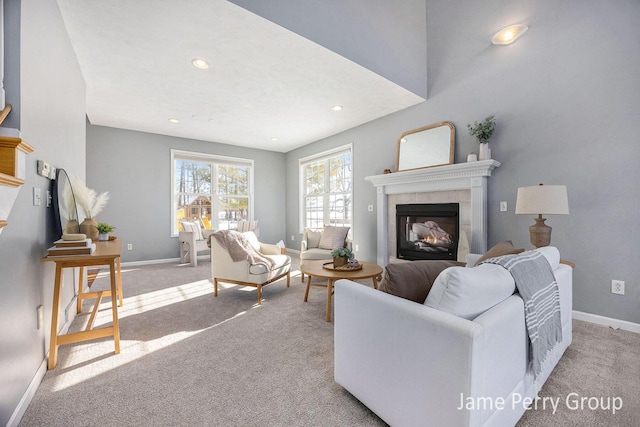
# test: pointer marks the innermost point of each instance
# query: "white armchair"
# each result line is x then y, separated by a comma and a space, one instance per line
192, 240
239, 258
311, 247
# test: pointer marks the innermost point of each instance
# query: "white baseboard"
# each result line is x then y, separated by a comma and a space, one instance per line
607, 321
152, 261
28, 395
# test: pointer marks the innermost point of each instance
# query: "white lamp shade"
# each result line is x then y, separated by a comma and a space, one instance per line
542, 199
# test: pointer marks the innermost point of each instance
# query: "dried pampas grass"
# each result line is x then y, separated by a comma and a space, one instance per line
90, 202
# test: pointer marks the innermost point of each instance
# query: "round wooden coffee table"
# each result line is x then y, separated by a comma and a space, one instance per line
316, 269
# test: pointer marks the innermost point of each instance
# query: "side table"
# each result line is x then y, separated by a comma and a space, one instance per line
106, 253
316, 269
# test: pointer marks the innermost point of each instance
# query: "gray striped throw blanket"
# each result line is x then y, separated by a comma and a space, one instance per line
539, 290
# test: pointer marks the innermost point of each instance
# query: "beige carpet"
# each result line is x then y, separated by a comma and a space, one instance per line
189, 359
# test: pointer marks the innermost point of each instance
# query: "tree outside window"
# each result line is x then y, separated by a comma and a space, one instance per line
327, 189
214, 191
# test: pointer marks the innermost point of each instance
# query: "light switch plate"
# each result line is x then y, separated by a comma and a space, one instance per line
37, 196
503, 206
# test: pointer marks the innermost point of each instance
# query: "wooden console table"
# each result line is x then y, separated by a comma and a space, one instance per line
106, 253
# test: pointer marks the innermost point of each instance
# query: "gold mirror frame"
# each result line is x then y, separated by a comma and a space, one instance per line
426, 147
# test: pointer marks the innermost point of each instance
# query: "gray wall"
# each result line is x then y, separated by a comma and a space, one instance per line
135, 168
566, 96
52, 115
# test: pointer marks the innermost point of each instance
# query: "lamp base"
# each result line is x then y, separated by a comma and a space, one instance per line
540, 233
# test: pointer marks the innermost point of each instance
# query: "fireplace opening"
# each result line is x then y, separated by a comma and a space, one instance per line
427, 231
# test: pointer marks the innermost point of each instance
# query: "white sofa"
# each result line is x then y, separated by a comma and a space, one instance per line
415, 365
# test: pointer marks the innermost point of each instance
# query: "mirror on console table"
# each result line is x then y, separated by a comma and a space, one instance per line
65, 210
426, 147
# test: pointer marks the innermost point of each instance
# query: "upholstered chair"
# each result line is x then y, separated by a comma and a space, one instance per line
192, 239
318, 244
257, 265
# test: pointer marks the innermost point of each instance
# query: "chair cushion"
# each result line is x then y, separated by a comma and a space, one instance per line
316, 253
280, 262
502, 248
333, 237
193, 227
253, 239
313, 238
469, 292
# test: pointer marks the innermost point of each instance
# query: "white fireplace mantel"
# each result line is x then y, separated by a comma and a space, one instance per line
471, 176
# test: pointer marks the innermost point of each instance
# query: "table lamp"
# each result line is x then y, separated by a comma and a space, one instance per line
542, 200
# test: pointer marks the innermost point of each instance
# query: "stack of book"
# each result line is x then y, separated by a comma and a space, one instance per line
72, 247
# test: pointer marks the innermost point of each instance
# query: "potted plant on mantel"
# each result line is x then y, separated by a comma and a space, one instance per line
341, 256
482, 133
103, 230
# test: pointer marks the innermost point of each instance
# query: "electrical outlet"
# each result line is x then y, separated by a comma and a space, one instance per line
130, 247
357, 248
617, 287
293, 238
503, 206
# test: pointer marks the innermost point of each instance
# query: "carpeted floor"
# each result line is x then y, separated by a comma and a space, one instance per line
188, 359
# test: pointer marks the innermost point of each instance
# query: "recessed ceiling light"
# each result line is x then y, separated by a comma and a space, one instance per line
509, 34
174, 120
336, 107
274, 139
200, 63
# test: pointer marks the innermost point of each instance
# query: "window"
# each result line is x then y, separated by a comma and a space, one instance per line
217, 191
326, 189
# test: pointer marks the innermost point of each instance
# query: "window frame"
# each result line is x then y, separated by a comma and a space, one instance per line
324, 155
213, 159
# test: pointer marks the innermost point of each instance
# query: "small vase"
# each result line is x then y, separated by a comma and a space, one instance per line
89, 227
339, 262
485, 152
72, 227
103, 237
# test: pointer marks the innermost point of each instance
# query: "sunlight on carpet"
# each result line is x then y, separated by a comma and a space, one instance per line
81, 359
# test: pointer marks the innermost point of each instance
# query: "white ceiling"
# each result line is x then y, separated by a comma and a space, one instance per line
263, 82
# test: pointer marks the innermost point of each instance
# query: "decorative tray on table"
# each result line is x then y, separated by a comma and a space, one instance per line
346, 267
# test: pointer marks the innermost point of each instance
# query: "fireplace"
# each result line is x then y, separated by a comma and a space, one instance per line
427, 231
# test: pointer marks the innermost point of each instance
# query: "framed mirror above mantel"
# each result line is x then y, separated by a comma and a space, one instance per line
426, 147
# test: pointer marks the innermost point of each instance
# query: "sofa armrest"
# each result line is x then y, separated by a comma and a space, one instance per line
391, 348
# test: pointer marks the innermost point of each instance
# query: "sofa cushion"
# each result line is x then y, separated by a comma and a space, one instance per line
412, 280
468, 292
502, 248
313, 238
333, 237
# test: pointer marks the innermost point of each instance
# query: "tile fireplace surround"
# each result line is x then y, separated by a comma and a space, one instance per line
465, 183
